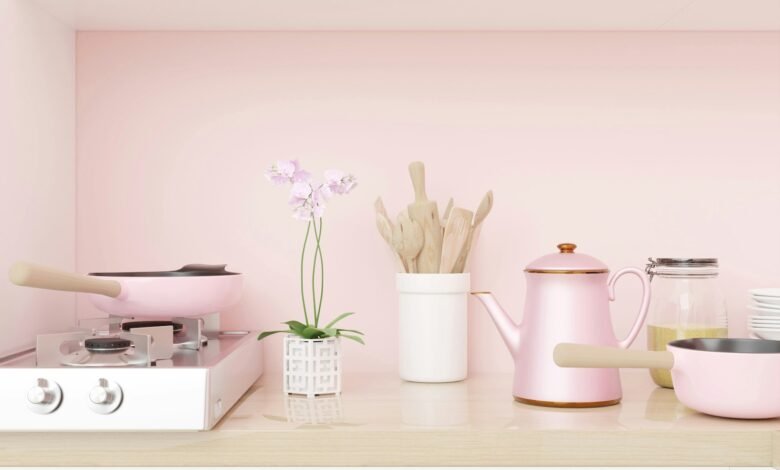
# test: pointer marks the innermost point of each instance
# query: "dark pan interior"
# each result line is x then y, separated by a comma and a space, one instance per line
163, 274
189, 270
729, 345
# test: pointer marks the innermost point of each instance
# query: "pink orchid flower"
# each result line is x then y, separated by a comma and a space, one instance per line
339, 182
287, 171
308, 200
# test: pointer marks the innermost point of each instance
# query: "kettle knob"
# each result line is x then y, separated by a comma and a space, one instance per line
567, 247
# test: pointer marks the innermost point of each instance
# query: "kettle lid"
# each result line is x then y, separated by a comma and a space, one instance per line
566, 261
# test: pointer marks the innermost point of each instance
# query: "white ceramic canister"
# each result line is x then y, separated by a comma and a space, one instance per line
433, 320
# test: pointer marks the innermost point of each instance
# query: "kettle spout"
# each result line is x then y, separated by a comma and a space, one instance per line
509, 331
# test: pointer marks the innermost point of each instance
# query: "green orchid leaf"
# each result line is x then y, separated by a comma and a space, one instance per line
296, 326
312, 333
354, 338
351, 331
269, 333
330, 332
339, 318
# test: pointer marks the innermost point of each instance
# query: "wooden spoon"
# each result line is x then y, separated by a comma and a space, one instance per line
456, 234
380, 208
408, 240
483, 210
385, 228
426, 214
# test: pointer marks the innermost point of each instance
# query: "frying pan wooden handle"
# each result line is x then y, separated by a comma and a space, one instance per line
417, 173
583, 355
33, 275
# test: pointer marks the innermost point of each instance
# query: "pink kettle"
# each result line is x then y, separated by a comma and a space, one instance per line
567, 301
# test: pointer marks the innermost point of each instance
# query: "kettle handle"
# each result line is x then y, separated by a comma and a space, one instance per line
640, 318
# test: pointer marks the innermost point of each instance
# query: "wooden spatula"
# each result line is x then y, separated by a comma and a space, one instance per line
408, 240
482, 211
385, 228
456, 234
426, 214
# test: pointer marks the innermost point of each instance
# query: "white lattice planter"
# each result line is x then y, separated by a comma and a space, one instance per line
312, 366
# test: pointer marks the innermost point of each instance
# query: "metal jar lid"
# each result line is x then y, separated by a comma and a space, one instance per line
682, 267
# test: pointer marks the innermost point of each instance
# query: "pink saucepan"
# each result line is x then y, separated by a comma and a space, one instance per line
731, 378
193, 290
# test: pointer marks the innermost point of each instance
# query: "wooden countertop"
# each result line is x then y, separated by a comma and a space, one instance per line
380, 420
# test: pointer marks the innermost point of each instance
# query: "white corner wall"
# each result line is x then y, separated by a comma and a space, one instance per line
37, 176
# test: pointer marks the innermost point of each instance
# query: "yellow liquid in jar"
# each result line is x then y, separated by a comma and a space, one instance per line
658, 336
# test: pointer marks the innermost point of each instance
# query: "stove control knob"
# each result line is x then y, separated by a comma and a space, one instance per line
105, 397
44, 397
40, 396
100, 395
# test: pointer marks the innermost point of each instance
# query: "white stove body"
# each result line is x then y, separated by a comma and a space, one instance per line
191, 392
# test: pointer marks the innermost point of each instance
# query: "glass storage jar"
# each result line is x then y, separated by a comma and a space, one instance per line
686, 302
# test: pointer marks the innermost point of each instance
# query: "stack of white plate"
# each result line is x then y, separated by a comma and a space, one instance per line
764, 320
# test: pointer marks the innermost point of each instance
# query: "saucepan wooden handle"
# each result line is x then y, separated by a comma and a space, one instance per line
33, 275
583, 355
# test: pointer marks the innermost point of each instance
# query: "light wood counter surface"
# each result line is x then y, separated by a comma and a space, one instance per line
380, 420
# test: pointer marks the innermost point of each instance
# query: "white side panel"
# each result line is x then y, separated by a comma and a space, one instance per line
153, 399
232, 377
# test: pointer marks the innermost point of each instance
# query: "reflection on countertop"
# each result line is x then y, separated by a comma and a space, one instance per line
481, 402
381, 420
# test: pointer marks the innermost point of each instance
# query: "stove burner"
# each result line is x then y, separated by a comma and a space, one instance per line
107, 345
177, 327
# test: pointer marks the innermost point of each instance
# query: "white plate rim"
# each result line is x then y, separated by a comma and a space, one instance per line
765, 305
771, 311
765, 292
767, 335
765, 299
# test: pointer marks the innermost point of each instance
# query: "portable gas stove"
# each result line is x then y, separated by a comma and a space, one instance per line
118, 374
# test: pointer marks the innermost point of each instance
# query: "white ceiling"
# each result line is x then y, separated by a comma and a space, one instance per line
416, 15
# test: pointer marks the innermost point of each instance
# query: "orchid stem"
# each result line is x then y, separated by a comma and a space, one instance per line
314, 277
318, 234
317, 251
303, 253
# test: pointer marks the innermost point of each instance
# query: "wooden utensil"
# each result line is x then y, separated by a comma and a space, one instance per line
385, 228
380, 208
456, 234
426, 214
484, 208
408, 240
482, 211
446, 214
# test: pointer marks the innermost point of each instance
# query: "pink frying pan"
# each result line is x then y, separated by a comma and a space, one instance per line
193, 290
731, 378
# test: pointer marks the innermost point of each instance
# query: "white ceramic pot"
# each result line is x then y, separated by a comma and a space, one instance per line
312, 366
433, 316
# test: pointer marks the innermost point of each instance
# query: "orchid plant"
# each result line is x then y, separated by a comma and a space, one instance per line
307, 200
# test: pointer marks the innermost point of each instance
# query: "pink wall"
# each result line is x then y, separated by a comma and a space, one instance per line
629, 144
37, 180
